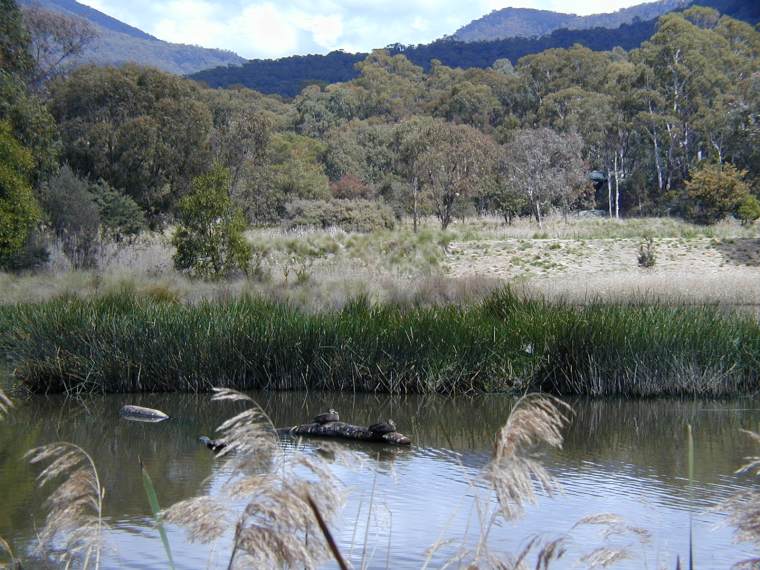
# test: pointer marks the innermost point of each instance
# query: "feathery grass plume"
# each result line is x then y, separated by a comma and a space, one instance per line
743, 509
278, 525
7, 552
604, 557
205, 519
536, 419
5, 404
250, 436
614, 525
75, 506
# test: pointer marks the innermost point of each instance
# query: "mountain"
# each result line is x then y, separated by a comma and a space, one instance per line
288, 76
119, 43
530, 23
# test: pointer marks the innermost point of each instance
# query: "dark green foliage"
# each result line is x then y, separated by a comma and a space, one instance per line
120, 215
288, 76
127, 343
32, 255
749, 210
32, 124
19, 211
209, 240
74, 216
349, 215
14, 40
144, 132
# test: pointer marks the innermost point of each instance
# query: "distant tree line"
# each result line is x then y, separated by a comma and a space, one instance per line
288, 76
100, 153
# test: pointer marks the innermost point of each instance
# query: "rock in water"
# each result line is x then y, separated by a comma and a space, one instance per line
140, 414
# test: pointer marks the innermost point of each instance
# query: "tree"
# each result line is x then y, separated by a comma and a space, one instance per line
144, 132
30, 121
471, 104
390, 85
18, 208
74, 216
715, 191
209, 239
320, 110
546, 167
361, 149
55, 39
350, 187
456, 166
14, 40
121, 217
241, 136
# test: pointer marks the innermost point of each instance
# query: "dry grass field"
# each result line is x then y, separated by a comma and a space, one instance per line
577, 260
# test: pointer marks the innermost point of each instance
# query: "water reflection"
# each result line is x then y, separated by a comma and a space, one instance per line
619, 456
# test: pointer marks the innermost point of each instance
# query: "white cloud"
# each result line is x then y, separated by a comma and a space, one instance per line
266, 28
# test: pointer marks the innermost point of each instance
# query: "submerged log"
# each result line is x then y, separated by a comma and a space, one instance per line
140, 414
343, 430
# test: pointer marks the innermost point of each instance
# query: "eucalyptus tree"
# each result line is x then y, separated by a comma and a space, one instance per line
457, 165
546, 167
143, 131
56, 39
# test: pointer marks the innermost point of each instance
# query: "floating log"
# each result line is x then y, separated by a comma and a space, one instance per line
343, 430
140, 414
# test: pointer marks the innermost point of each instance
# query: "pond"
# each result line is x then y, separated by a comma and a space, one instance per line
624, 457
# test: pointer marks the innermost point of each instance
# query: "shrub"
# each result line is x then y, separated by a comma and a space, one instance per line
749, 210
120, 215
349, 215
350, 187
715, 191
647, 253
74, 216
32, 255
209, 240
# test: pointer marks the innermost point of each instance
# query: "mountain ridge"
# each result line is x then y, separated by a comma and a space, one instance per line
119, 43
530, 23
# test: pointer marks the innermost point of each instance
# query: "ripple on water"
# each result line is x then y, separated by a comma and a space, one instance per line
422, 494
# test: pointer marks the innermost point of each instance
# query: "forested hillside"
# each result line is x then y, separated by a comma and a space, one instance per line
116, 43
673, 126
288, 76
528, 23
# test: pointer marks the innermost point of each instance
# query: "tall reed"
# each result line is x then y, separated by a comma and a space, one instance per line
515, 473
75, 506
131, 343
288, 497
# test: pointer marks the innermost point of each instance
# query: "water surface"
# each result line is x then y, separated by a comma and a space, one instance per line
619, 457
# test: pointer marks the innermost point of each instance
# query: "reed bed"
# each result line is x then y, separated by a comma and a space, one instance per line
125, 342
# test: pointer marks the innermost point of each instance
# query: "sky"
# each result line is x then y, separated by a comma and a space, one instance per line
271, 29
